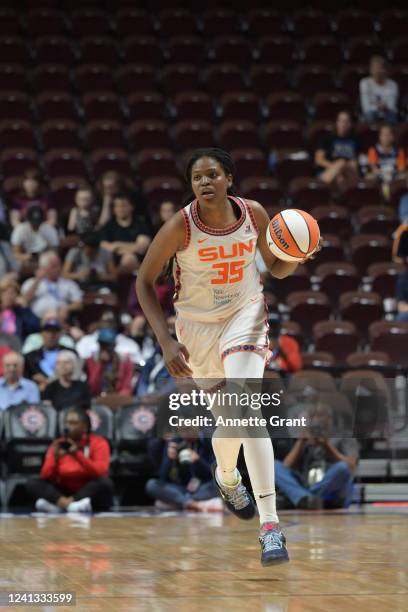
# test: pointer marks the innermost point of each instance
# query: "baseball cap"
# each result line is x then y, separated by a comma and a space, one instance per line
107, 336
51, 325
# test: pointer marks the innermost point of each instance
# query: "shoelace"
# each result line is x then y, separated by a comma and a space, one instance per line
238, 497
271, 540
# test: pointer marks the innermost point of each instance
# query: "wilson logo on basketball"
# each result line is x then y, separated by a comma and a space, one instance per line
278, 233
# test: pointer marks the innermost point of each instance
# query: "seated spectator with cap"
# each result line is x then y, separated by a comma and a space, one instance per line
40, 364
15, 319
14, 389
378, 93
36, 340
33, 236
89, 264
48, 289
284, 353
106, 371
66, 391
386, 161
74, 475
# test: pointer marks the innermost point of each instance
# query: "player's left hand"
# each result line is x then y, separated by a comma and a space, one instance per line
313, 255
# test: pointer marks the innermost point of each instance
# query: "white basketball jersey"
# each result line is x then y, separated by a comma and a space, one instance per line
215, 273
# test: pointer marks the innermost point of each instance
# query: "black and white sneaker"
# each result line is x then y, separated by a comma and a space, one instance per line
237, 499
273, 545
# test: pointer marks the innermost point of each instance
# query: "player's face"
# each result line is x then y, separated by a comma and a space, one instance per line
209, 181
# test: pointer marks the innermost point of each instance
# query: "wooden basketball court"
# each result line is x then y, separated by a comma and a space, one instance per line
354, 561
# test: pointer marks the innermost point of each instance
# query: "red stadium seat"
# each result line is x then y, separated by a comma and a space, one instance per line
311, 379
339, 337
368, 249
238, 134
328, 105
321, 50
276, 50
363, 194
143, 49
178, 77
190, 134
397, 189
369, 359
191, 47
291, 163
318, 360
392, 338
55, 105
292, 329
311, 78
45, 22
12, 77
89, 23
14, 162
104, 135
392, 24
240, 105
249, 162
9, 23
60, 133
65, 162
332, 250
316, 132
377, 220
223, 78
63, 190
361, 48
193, 105
367, 135
352, 22
177, 22
217, 21
102, 105
266, 78
13, 50
283, 135
146, 105
361, 307
17, 134
160, 188
105, 160
52, 77
305, 193
14, 105
262, 189
91, 77
155, 162
384, 277
231, 50
298, 281
350, 77
399, 51
11, 186
133, 23
57, 48
264, 22
285, 106
307, 308
337, 277
133, 78
98, 50
310, 23
332, 219
142, 134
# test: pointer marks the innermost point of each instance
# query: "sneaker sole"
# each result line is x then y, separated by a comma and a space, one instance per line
275, 561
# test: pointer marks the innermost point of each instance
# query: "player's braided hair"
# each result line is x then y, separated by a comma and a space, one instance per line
221, 156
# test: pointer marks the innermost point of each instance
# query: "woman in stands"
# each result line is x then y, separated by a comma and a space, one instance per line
221, 324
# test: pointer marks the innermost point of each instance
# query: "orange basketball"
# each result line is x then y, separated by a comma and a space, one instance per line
292, 234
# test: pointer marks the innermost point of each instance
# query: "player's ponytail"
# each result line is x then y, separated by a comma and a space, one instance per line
222, 157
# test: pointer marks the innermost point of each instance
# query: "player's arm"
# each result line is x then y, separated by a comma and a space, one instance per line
277, 267
169, 239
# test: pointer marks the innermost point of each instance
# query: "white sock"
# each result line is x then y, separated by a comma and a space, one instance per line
43, 505
82, 505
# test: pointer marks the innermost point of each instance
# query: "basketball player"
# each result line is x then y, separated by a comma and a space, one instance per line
221, 325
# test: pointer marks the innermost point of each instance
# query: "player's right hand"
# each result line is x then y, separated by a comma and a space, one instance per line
176, 358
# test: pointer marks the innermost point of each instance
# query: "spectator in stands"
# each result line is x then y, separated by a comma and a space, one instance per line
185, 481
403, 207
66, 391
154, 377
125, 346
32, 194
336, 157
402, 294
166, 210
318, 470
386, 161
164, 290
33, 236
106, 371
126, 235
40, 364
74, 476
89, 264
113, 184
35, 341
83, 217
15, 319
14, 389
48, 289
285, 351
379, 94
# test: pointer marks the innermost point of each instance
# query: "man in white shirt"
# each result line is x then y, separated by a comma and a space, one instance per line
49, 290
378, 94
33, 236
14, 389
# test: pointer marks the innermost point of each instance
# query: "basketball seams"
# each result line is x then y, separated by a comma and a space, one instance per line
293, 237
279, 246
